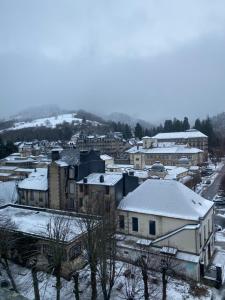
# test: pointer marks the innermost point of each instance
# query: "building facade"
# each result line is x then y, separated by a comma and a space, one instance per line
192, 137
101, 193
66, 169
166, 154
162, 213
110, 144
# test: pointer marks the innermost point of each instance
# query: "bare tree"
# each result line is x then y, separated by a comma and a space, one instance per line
89, 226
167, 266
7, 241
27, 252
76, 286
131, 283
143, 262
57, 232
107, 271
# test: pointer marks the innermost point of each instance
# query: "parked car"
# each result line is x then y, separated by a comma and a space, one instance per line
221, 193
208, 181
218, 227
219, 201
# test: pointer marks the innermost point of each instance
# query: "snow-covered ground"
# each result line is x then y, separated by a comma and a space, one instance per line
50, 122
177, 289
8, 192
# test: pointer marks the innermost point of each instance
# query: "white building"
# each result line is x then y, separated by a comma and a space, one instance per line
165, 213
192, 137
33, 190
165, 153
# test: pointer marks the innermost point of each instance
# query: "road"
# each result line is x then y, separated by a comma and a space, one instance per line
212, 190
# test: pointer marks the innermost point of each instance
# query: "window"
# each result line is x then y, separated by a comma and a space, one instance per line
71, 203
107, 206
75, 251
72, 188
152, 227
107, 190
71, 173
135, 224
80, 202
32, 195
205, 233
121, 221
200, 240
81, 188
86, 190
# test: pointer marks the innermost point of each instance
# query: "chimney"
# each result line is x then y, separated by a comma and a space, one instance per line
55, 155
85, 180
101, 178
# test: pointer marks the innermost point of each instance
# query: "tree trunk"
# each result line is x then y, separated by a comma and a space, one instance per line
76, 285
145, 281
9, 273
164, 285
58, 282
35, 284
93, 283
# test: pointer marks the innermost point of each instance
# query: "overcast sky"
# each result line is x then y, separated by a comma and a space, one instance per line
152, 59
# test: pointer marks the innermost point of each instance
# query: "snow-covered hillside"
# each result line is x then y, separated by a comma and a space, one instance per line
51, 122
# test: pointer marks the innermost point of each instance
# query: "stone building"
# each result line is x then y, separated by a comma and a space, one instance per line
101, 193
67, 167
109, 144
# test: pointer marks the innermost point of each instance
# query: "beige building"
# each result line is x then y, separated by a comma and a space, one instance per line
192, 137
165, 213
168, 154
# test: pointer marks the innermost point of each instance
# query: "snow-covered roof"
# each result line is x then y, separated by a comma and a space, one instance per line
174, 172
109, 179
105, 157
180, 135
25, 170
61, 163
177, 149
37, 180
187, 257
7, 168
35, 221
194, 168
8, 192
169, 250
5, 174
166, 198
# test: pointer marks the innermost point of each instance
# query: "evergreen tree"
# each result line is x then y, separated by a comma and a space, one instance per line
186, 124
138, 131
198, 125
127, 132
168, 126
177, 125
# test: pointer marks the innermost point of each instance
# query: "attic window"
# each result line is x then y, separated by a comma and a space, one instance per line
194, 201
199, 203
